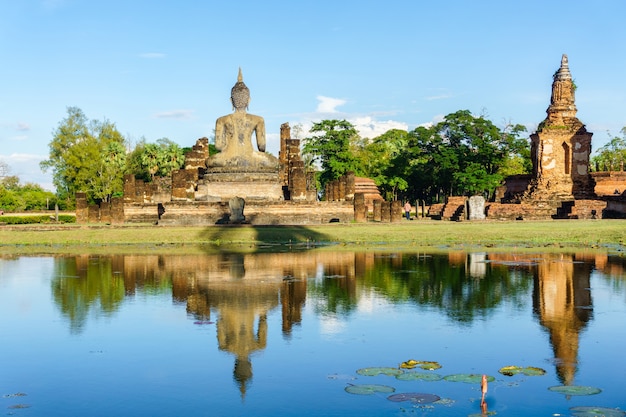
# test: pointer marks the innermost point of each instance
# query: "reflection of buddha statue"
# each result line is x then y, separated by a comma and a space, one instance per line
233, 137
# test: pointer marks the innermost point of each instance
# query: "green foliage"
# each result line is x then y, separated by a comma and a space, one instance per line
16, 197
78, 157
461, 155
383, 161
612, 156
334, 146
149, 160
44, 218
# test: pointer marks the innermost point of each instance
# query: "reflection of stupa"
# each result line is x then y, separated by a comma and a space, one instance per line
562, 300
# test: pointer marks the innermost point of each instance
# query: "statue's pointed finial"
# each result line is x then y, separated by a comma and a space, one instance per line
240, 76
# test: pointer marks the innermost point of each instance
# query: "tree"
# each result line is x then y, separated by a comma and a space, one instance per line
463, 154
108, 180
382, 160
611, 156
76, 153
334, 148
17, 197
149, 160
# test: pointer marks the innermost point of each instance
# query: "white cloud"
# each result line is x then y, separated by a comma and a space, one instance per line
26, 167
436, 119
22, 127
152, 55
331, 326
370, 128
174, 114
328, 104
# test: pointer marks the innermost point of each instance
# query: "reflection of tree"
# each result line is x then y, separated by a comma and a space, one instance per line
97, 284
444, 281
334, 289
85, 284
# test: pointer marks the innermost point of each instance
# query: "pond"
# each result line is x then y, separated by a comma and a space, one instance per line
320, 332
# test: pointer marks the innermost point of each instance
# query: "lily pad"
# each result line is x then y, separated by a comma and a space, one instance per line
418, 376
468, 378
380, 370
426, 365
596, 412
369, 389
528, 370
18, 406
414, 397
575, 390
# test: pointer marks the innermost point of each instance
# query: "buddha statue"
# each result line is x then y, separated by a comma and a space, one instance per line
233, 137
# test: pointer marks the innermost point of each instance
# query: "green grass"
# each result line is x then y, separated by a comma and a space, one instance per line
609, 234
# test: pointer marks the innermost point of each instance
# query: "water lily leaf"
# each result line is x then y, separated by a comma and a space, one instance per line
368, 389
596, 412
17, 394
379, 370
414, 397
468, 378
575, 390
427, 365
528, 370
17, 406
418, 376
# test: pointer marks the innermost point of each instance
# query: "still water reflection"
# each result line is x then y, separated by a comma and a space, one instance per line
285, 333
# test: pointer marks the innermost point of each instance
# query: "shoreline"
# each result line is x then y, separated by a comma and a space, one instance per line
604, 235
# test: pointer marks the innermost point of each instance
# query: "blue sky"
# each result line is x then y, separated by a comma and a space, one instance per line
165, 68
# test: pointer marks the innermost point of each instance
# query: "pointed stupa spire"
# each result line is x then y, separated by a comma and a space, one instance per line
240, 75
563, 72
562, 108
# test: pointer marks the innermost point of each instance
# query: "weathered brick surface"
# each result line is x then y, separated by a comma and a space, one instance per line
454, 208
609, 183
82, 210
360, 210
256, 213
397, 212
435, 211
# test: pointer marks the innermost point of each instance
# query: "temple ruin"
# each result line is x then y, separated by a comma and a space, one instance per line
244, 185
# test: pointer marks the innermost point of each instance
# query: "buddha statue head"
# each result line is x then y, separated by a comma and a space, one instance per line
240, 94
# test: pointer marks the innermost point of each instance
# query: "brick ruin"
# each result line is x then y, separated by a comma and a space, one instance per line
182, 199
560, 186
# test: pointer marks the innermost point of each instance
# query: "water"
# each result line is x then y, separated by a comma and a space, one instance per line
283, 334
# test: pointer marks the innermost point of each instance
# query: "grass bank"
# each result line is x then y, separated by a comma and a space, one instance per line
605, 234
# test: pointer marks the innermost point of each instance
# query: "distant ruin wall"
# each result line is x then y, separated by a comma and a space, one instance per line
181, 213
